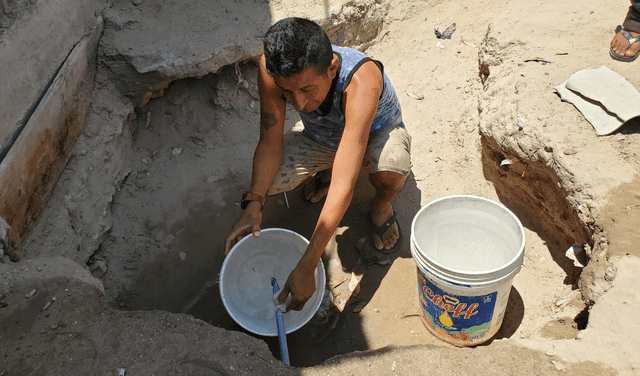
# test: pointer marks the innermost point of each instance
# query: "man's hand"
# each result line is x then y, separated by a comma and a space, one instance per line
301, 284
248, 223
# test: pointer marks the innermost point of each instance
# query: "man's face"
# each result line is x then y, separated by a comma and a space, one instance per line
308, 89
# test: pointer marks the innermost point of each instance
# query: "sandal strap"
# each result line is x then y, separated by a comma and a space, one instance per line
631, 39
380, 230
321, 184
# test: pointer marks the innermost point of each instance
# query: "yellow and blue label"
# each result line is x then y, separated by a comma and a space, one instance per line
463, 318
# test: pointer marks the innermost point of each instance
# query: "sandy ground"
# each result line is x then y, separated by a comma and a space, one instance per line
172, 172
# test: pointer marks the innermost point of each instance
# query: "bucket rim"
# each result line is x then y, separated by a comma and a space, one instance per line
508, 266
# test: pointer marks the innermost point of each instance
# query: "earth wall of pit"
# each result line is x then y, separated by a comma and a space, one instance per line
47, 70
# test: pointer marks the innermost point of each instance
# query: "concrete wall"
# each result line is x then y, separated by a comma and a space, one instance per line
35, 39
47, 70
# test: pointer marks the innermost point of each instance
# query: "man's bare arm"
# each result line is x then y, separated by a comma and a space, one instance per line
266, 158
267, 120
268, 153
360, 104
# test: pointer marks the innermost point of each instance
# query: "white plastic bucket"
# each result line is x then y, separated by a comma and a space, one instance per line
245, 280
467, 250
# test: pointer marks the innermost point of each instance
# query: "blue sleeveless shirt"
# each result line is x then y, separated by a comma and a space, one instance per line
326, 127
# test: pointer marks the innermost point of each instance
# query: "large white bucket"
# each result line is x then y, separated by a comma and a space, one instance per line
467, 250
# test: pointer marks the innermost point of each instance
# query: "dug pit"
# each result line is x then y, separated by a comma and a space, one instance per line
182, 161
153, 186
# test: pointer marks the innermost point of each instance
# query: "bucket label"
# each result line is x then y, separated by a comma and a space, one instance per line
462, 318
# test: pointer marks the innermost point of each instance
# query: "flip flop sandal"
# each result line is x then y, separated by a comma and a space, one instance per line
319, 184
370, 254
631, 40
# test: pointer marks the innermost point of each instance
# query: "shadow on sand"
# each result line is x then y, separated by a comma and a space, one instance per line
343, 332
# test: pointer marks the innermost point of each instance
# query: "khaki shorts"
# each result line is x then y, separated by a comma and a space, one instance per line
389, 149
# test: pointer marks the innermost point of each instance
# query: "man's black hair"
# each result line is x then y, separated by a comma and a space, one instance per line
292, 44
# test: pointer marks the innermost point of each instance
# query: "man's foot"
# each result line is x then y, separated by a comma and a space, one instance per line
625, 46
386, 233
381, 241
318, 186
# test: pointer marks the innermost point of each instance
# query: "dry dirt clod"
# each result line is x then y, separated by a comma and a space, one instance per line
98, 267
359, 307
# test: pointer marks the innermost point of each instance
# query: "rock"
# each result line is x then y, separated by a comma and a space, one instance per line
98, 268
142, 182
46, 306
559, 366
610, 272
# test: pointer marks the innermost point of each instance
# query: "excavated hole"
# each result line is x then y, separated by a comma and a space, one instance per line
532, 190
191, 158
190, 161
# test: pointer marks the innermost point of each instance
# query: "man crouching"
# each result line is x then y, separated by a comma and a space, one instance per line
351, 119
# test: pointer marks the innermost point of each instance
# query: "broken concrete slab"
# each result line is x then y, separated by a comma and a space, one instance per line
144, 55
35, 39
34, 163
87, 186
603, 96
